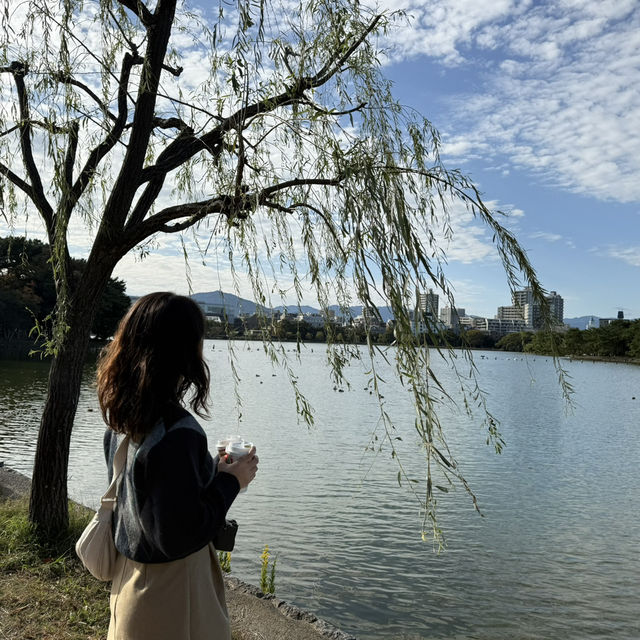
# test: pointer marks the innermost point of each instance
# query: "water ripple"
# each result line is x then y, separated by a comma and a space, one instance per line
554, 557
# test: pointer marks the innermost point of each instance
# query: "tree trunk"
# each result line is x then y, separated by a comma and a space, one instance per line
48, 507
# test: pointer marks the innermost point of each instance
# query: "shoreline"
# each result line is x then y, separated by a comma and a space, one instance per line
610, 359
250, 610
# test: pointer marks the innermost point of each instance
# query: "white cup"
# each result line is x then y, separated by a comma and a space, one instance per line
236, 450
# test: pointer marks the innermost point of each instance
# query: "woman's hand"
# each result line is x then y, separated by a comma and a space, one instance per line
244, 469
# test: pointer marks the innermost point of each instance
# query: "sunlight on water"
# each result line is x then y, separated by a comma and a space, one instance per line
555, 555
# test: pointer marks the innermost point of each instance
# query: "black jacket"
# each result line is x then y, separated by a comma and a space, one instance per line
171, 500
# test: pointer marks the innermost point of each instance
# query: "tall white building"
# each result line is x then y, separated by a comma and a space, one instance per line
427, 303
450, 317
556, 306
424, 317
526, 308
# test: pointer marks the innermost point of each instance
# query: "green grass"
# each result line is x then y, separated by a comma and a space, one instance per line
45, 592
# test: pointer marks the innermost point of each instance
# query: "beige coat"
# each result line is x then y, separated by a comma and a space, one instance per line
179, 600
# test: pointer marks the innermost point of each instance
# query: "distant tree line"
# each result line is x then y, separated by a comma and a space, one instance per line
289, 330
27, 295
619, 339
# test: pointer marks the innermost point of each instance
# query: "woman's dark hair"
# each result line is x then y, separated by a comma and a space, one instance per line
153, 360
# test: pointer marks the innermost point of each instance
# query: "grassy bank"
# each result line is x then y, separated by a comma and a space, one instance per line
44, 590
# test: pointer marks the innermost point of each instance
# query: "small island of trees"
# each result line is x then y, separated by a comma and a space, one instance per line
619, 339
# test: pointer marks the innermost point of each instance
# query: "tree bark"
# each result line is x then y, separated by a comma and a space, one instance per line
48, 506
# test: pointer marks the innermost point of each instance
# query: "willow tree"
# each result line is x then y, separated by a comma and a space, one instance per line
265, 126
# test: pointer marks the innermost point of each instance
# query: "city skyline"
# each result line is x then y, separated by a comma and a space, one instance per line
428, 302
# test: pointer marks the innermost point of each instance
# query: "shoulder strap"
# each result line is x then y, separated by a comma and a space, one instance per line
119, 460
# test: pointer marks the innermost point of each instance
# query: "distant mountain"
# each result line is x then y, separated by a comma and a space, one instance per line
295, 309
385, 312
243, 306
582, 322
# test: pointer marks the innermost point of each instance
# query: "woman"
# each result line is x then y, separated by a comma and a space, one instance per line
172, 498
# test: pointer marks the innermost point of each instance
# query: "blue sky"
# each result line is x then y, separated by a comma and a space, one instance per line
539, 102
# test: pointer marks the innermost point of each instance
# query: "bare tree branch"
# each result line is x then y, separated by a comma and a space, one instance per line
192, 106
298, 182
174, 71
140, 9
132, 45
289, 52
43, 124
234, 207
327, 112
113, 136
172, 123
8, 131
240, 165
193, 212
127, 182
333, 66
17, 181
180, 150
38, 197
70, 158
67, 79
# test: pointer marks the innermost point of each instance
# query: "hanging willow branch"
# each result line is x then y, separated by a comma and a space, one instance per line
282, 143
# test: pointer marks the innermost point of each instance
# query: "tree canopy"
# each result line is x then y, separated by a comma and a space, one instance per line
266, 129
618, 339
28, 294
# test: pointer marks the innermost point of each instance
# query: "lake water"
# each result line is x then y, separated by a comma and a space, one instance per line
556, 555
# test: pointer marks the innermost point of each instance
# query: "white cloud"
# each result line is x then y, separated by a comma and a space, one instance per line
630, 255
543, 235
458, 147
557, 86
470, 242
162, 272
469, 295
443, 28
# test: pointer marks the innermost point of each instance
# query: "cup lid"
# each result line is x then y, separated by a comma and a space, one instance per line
241, 446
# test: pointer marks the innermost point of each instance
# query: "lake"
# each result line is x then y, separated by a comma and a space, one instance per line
555, 555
